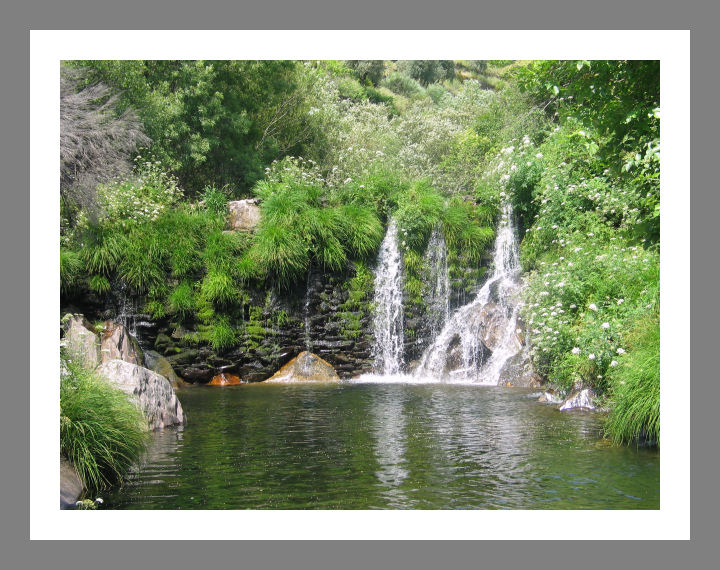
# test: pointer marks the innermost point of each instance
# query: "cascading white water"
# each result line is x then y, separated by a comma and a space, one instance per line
438, 281
388, 318
460, 351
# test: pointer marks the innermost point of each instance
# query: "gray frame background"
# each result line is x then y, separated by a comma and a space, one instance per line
16, 223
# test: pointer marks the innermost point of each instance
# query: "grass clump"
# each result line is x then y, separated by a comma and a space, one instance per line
102, 432
635, 414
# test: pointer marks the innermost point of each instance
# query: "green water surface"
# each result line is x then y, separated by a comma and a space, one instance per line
386, 446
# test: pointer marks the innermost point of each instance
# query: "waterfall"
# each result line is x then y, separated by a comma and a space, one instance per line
479, 338
388, 318
438, 281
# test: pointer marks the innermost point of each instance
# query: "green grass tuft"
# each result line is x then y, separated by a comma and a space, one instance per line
636, 389
102, 433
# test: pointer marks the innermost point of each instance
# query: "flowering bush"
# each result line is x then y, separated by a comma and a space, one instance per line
141, 199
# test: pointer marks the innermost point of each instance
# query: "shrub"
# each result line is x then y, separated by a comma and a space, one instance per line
102, 433
402, 84
436, 92
215, 200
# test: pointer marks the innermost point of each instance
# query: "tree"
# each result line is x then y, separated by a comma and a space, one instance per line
208, 119
368, 70
96, 138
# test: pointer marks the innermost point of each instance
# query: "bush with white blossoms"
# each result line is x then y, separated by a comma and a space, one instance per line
591, 275
141, 198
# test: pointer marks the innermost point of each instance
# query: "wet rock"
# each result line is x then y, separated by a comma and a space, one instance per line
455, 359
519, 371
158, 363
305, 367
579, 400
225, 379
550, 397
117, 344
80, 341
244, 215
200, 373
153, 392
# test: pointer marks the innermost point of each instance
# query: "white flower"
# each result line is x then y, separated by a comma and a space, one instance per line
621, 351
606, 325
592, 307
614, 363
576, 350
591, 356
539, 155
573, 306
620, 301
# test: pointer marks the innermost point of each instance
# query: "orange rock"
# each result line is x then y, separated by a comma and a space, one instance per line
225, 379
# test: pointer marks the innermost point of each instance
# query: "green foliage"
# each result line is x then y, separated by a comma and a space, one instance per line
428, 71
102, 433
218, 288
368, 71
436, 92
402, 84
215, 200
222, 335
102, 250
420, 209
99, 284
209, 120
467, 230
70, 270
182, 300
635, 385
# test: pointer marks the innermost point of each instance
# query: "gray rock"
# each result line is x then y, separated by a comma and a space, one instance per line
244, 215
577, 400
71, 485
117, 344
153, 392
80, 342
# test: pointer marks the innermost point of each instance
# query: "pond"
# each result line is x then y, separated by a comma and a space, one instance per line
386, 446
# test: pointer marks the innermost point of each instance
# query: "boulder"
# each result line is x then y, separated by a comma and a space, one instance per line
305, 367
80, 341
244, 215
225, 379
117, 344
579, 400
71, 486
158, 363
549, 397
153, 392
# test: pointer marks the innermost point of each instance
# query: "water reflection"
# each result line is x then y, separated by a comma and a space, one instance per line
391, 446
388, 425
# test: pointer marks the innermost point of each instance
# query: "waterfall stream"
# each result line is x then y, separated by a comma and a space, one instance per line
388, 321
438, 283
